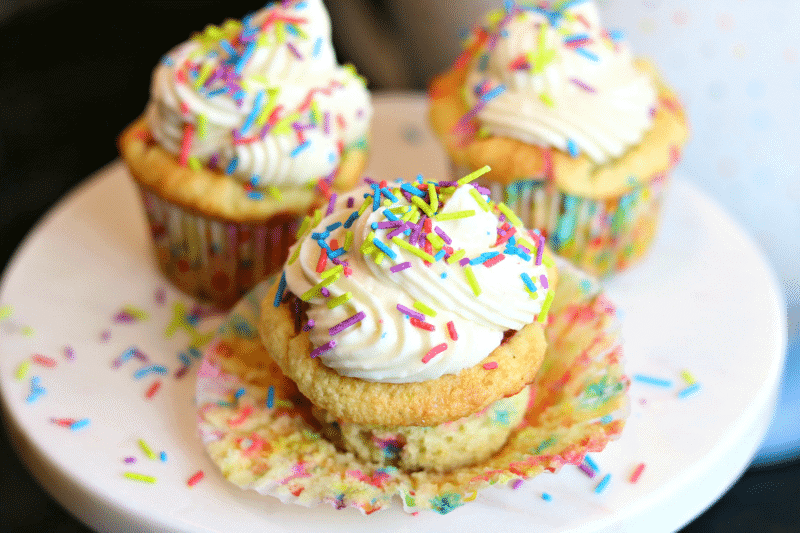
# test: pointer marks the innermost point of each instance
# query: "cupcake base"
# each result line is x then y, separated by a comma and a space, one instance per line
272, 444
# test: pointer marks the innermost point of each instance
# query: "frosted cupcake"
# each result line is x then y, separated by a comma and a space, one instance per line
410, 315
581, 137
248, 123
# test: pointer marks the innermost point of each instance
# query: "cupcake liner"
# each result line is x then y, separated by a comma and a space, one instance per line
213, 259
261, 434
600, 236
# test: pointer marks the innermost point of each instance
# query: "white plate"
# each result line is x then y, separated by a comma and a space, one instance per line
703, 300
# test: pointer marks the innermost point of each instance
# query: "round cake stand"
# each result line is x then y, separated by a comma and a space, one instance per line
88, 325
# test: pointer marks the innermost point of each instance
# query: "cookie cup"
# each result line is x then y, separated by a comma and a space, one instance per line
214, 237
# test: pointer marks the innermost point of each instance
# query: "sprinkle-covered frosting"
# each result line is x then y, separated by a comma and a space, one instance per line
262, 99
548, 74
411, 281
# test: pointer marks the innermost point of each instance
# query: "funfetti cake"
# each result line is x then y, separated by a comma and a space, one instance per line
248, 125
581, 137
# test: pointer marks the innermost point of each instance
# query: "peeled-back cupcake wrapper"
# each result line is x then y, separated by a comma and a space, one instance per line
271, 444
600, 236
215, 260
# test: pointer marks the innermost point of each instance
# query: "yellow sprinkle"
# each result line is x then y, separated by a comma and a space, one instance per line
433, 196
146, 449
367, 203
284, 125
139, 477
447, 190
280, 31
546, 100
409, 214
26, 331
266, 111
386, 202
514, 219
474, 175
688, 377
205, 71
379, 256
413, 249
202, 126
542, 318
317, 217
313, 291
456, 256
337, 269
471, 496
303, 227
479, 199
283, 403
533, 295
419, 202
456, 215
473, 283
135, 312
315, 114
295, 254
547, 261
339, 300
194, 163
422, 308
5, 311
275, 192
524, 242
435, 240
348, 240
367, 247
22, 370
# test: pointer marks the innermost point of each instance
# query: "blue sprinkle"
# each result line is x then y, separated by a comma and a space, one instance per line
299, 148
239, 393
255, 179
591, 463
228, 48
411, 189
152, 369
333, 226
587, 54
546, 497
333, 254
483, 258
352, 218
603, 483
388, 194
528, 281
650, 380
167, 61
391, 216
251, 118
385, 249
255, 195
374, 225
317, 47
376, 196
572, 148
78, 424
232, 165
691, 389
606, 419
194, 352
216, 92
270, 397
439, 255
163, 457
320, 235
616, 35
497, 91
184, 359
444, 275
245, 58
281, 290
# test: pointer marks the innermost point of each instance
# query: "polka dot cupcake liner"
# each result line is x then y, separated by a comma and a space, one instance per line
600, 236
260, 433
215, 260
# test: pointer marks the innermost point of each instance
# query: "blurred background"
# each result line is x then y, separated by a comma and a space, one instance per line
74, 73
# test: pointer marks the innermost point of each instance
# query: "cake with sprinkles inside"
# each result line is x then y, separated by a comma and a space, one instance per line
581, 137
420, 342
249, 125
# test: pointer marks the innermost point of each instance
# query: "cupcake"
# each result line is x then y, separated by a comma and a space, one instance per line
411, 315
248, 124
580, 136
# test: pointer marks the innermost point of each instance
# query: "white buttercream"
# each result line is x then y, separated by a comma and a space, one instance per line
544, 106
272, 68
385, 346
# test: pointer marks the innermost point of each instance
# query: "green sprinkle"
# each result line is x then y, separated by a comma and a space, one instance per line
419, 202
433, 196
339, 300
476, 289
413, 249
314, 291
456, 256
435, 240
479, 199
456, 215
474, 175
146, 449
545, 307
422, 308
22, 370
139, 477
514, 219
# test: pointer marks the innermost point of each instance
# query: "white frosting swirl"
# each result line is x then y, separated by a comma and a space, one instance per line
275, 68
580, 92
386, 346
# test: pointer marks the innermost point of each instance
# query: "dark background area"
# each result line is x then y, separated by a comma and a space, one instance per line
72, 75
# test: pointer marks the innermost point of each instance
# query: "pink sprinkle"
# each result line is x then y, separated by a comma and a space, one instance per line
43, 360
105, 335
543, 279
400, 266
451, 329
186, 143
490, 366
309, 325
322, 349
493, 261
637, 473
247, 410
295, 51
153, 389
433, 352
195, 479
416, 322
